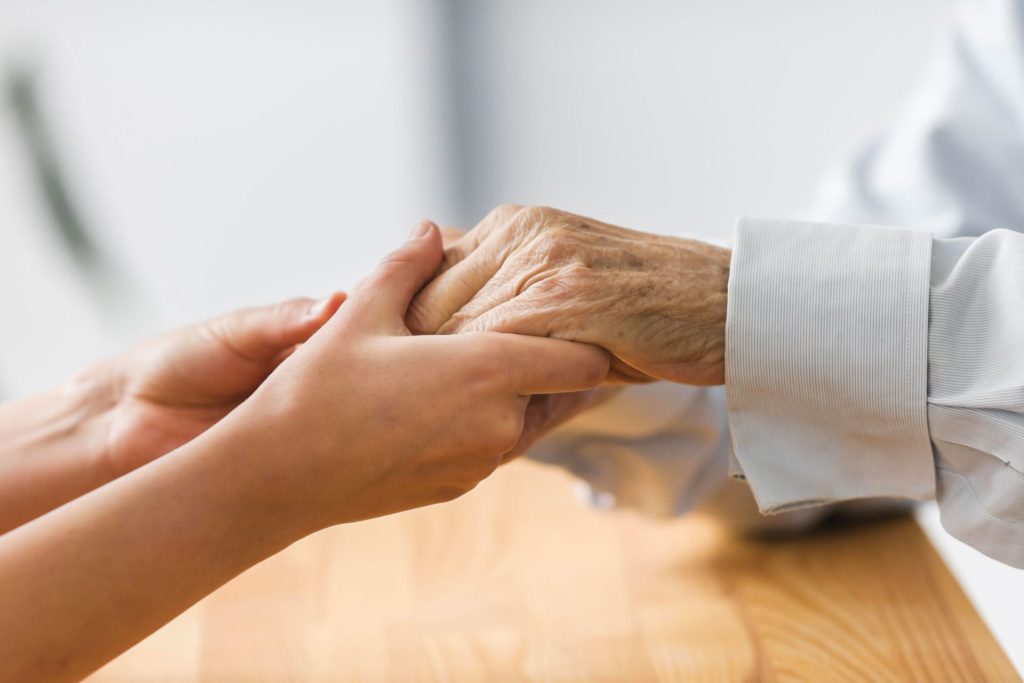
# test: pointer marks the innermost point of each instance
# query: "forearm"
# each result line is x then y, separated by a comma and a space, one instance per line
52, 450
82, 584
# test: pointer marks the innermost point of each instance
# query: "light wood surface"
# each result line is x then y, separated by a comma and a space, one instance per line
520, 582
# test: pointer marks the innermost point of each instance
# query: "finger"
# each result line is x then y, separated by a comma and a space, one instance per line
453, 289
262, 334
384, 296
547, 411
529, 316
553, 366
463, 247
505, 285
520, 315
622, 372
450, 235
467, 266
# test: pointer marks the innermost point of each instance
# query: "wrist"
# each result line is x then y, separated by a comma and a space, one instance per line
699, 308
235, 484
89, 400
254, 447
717, 303
52, 450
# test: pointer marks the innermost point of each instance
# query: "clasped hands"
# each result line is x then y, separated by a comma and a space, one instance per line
406, 394
233, 438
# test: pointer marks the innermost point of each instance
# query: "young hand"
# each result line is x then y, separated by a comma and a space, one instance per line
173, 388
366, 419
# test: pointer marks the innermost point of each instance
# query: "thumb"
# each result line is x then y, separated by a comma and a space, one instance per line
261, 335
384, 296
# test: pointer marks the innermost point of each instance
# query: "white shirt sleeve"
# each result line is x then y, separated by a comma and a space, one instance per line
867, 362
976, 390
660, 449
826, 362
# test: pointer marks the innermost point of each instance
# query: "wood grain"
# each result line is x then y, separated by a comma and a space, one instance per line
519, 582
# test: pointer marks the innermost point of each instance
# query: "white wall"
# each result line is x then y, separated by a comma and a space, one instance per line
679, 116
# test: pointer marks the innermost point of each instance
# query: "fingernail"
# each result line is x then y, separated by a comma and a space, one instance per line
420, 230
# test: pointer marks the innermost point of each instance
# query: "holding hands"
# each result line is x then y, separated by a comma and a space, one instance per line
369, 414
384, 420
282, 423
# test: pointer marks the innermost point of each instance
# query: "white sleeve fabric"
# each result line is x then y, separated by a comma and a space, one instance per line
662, 450
826, 362
868, 362
976, 390
659, 449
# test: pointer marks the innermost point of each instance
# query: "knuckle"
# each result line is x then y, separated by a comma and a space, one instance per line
484, 364
395, 259
227, 332
495, 376
577, 275
499, 217
417, 319
502, 212
559, 241
557, 244
457, 321
567, 284
532, 216
507, 428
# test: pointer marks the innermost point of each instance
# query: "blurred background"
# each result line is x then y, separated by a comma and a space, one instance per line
166, 161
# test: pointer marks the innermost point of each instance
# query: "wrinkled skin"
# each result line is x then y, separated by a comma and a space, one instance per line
656, 303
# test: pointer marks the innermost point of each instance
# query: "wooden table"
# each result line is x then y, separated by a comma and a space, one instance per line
520, 582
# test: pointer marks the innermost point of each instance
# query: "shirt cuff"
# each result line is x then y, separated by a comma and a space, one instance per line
826, 363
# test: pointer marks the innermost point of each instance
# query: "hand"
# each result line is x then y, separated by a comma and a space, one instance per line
547, 411
366, 419
173, 388
656, 303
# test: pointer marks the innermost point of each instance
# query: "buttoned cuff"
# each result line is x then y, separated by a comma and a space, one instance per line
826, 363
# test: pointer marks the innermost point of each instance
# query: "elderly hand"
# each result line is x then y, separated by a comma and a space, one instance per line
656, 303
546, 412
